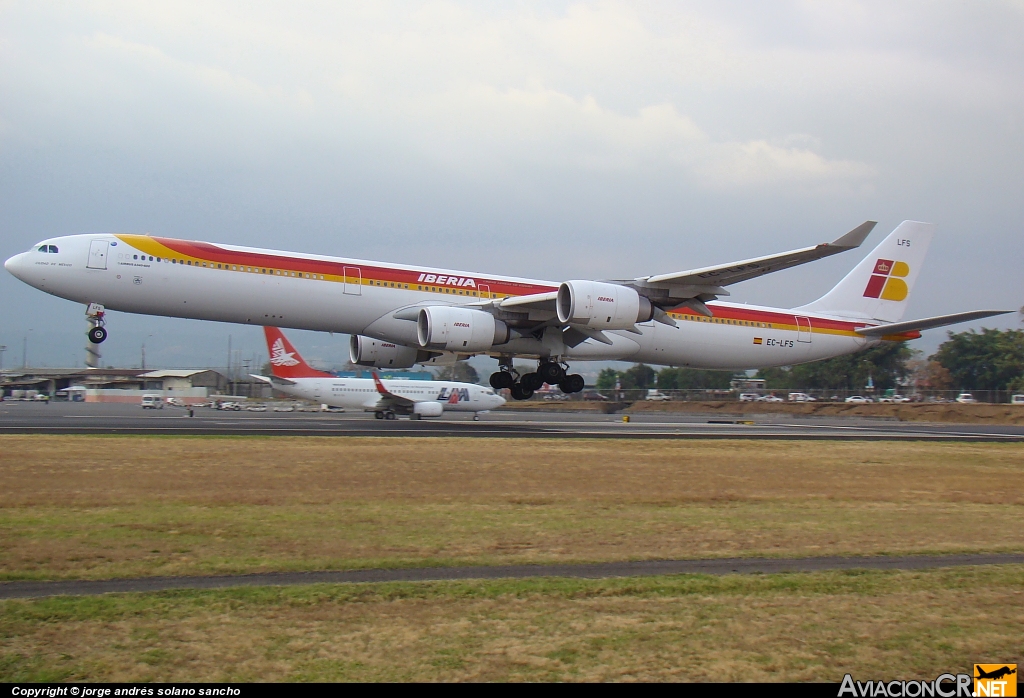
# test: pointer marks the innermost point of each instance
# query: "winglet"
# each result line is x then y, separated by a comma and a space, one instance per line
380, 386
855, 237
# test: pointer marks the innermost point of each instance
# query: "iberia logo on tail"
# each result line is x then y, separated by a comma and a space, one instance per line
887, 282
285, 361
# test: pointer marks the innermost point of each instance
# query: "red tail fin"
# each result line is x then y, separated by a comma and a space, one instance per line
285, 361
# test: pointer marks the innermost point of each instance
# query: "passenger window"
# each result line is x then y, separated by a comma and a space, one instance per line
53, 249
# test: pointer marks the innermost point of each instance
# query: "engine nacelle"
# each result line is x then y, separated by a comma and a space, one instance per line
366, 351
428, 409
601, 306
459, 329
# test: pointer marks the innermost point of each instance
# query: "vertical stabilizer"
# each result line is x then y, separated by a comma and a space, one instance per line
878, 288
285, 361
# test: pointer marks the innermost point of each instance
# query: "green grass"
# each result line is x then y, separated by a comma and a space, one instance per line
813, 626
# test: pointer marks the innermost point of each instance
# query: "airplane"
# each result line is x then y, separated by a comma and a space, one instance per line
386, 399
400, 315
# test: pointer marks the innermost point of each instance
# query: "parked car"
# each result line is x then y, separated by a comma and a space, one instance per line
749, 397
593, 395
965, 399
770, 398
230, 406
655, 396
801, 397
152, 402
284, 408
858, 399
256, 408
331, 408
1017, 400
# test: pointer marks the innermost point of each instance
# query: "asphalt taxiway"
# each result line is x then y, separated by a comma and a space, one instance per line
102, 418
640, 568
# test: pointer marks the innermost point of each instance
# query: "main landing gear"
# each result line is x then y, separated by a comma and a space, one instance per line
385, 414
523, 387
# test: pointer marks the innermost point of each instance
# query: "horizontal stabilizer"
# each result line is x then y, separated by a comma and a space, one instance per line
928, 323
272, 380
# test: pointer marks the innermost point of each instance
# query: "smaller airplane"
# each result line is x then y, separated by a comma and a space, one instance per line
386, 399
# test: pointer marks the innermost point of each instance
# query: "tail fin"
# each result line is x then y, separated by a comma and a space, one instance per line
878, 287
285, 361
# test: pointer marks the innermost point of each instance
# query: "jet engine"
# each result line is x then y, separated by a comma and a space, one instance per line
601, 306
428, 409
366, 351
459, 329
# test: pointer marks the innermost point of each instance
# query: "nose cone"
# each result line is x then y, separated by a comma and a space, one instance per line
16, 265
498, 400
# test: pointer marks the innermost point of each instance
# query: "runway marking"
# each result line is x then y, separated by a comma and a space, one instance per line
16, 590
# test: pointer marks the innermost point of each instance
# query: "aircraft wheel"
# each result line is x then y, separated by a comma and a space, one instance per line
519, 392
416, 416
378, 415
551, 372
574, 383
389, 415
531, 382
97, 335
502, 379
476, 418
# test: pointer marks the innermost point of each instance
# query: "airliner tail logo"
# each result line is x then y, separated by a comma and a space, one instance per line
279, 356
887, 282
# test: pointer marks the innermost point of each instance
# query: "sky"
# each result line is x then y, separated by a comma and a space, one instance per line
548, 140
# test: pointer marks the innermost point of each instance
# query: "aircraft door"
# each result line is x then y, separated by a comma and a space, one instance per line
98, 254
803, 330
353, 281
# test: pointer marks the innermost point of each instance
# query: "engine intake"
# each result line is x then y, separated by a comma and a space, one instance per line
367, 351
459, 329
601, 306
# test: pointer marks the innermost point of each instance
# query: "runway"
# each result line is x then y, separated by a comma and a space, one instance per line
20, 590
101, 418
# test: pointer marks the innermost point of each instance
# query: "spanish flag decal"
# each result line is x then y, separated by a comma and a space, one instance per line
758, 340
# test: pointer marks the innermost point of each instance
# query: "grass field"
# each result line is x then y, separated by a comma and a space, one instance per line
98, 507
796, 627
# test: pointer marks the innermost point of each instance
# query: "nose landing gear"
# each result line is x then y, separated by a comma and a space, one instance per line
522, 388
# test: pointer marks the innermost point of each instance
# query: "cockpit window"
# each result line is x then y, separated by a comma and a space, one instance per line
42, 248
53, 249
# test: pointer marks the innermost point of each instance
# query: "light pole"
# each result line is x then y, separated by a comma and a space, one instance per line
3, 348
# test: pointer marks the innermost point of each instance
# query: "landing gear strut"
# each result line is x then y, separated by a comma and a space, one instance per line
522, 388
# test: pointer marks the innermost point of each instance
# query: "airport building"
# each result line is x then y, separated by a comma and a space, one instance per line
111, 384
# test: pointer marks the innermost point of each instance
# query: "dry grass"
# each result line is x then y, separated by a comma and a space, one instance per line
800, 627
120, 506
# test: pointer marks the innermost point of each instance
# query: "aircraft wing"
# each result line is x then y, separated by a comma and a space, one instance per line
388, 398
726, 274
927, 323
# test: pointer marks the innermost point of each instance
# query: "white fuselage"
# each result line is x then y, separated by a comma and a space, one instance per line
175, 278
361, 393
